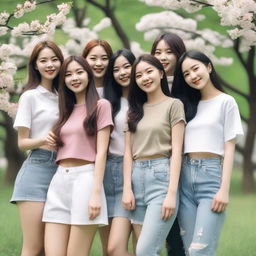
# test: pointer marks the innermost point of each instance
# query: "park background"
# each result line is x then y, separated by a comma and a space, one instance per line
239, 232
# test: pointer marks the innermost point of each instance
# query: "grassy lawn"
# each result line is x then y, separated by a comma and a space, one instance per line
237, 238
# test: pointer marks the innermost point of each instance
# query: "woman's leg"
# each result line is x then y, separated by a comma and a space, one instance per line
154, 231
56, 239
207, 230
80, 240
104, 237
32, 227
119, 237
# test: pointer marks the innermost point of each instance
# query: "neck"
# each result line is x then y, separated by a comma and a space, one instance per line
155, 96
47, 84
98, 82
125, 92
80, 98
209, 92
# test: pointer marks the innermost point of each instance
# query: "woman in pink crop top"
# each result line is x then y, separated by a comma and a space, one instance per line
76, 203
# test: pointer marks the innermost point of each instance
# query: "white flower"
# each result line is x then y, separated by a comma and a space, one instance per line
29, 6
104, 23
6, 81
64, 8
3, 30
136, 49
4, 17
5, 51
35, 25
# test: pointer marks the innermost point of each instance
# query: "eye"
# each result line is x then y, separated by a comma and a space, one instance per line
42, 61
115, 70
92, 58
195, 68
104, 58
80, 72
169, 51
157, 52
127, 66
55, 59
150, 71
138, 76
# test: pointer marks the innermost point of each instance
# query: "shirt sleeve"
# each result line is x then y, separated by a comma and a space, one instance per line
24, 113
232, 121
104, 114
177, 113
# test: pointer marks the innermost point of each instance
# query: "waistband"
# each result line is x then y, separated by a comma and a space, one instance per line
202, 161
76, 169
151, 162
115, 157
43, 152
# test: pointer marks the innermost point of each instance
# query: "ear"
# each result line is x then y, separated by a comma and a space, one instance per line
209, 68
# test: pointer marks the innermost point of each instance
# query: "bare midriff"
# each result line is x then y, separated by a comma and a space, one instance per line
73, 162
203, 155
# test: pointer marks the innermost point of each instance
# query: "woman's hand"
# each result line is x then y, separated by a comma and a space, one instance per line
220, 201
168, 206
50, 140
128, 199
94, 206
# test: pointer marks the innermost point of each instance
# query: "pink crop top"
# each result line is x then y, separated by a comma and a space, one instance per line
77, 144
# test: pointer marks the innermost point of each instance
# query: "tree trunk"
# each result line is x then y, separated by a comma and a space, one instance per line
13, 155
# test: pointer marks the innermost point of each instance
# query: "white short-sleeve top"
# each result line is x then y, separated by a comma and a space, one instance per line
116, 146
100, 91
217, 120
37, 110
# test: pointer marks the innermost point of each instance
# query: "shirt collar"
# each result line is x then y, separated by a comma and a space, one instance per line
41, 89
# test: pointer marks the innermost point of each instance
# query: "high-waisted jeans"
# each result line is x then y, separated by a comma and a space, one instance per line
200, 226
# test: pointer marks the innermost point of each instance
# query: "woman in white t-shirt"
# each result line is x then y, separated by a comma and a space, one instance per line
37, 113
210, 136
97, 53
116, 91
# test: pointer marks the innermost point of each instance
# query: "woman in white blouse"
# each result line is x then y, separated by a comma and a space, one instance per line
37, 113
213, 124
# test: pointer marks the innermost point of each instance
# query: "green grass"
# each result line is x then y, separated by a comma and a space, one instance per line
237, 238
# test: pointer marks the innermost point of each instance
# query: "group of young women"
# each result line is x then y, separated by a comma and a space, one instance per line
105, 133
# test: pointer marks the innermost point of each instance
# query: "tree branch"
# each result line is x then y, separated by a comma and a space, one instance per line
98, 5
239, 55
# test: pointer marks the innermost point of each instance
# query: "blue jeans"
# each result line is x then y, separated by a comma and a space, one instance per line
200, 226
150, 181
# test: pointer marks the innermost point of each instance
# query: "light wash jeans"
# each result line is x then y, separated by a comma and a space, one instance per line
150, 180
200, 226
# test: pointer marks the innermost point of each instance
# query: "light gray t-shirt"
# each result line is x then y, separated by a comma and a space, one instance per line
217, 120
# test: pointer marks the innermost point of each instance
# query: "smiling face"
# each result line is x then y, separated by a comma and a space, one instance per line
76, 78
98, 61
47, 64
165, 55
196, 73
148, 77
122, 71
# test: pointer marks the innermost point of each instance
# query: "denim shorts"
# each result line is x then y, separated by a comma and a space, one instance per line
34, 177
150, 182
68, 197
113, 186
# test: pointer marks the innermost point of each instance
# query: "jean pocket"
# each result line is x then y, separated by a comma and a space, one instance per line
39, 159
162, 173
214, 171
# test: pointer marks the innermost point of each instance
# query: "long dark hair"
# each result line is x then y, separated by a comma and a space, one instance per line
188, 95
175, 43
113, 90
34, 77
138, 97
67, 100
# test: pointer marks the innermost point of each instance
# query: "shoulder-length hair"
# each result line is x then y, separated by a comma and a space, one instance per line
91, 44
138, 97
67, 100
188, 95
34, 77
112, 90
175, 43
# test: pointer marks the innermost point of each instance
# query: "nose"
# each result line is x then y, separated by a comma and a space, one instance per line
98, 62
192, 75
122, 71
74, 77
162, 56
144, 77
49, 63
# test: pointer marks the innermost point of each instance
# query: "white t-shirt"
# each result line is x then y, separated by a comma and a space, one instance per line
117, 136
38, 110
100, 91
170, 82
217, 120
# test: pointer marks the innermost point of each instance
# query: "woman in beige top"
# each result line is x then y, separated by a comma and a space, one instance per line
154, 139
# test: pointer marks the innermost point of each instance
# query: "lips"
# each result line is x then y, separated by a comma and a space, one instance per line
50, 72
147, 85
98, 70
164, 64
197, 81
76, 85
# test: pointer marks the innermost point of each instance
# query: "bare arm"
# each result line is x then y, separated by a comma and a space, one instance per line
100, 163
128, 197
169, 203
221, 198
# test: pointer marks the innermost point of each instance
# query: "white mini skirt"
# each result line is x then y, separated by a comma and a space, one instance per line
68, 197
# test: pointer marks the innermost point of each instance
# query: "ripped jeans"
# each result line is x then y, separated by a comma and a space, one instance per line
200, 226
